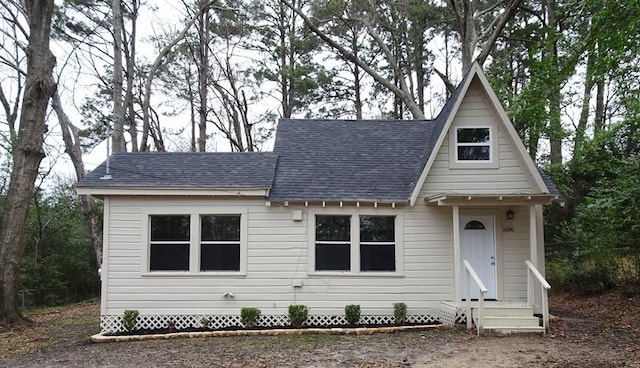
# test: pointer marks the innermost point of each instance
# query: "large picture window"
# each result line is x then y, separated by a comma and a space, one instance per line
333, 243
220, 243
169, 243
196, 243
339, 249
377, 243
473, 144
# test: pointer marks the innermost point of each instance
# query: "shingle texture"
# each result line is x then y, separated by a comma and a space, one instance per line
549, 183
313, 160
189, 170
346, 160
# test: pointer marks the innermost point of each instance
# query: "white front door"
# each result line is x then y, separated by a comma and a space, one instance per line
478, 246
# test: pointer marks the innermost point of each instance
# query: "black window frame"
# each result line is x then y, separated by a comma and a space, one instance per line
484, 147
375, 251
160, 252
223, 244
378, 250
325, 246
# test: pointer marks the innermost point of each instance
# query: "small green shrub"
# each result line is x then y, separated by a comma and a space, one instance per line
129, 319
298, 314
400, 313
250, 316
352, 314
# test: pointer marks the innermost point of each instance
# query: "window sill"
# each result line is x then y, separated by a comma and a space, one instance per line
194, 274
473, 165
355, 274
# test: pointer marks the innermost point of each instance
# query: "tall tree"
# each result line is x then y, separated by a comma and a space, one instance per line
73, 148
27, 154
117, 140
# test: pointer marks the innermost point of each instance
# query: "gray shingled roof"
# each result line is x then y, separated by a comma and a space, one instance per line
550, 184
313, 160
189, 170
346, 160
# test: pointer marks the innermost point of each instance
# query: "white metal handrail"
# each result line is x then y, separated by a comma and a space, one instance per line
472, 275
544, 287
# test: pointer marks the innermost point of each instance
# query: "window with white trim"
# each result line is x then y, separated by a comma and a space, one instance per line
169, 242
371, 247
473, 144
220, 243
196, 243
333, 243
377, 243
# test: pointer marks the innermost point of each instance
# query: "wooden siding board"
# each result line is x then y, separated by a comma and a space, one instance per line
509, 177
276, 255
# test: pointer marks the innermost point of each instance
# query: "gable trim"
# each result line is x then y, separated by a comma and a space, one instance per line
476, 71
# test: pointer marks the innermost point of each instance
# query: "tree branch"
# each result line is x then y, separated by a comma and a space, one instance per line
404, 95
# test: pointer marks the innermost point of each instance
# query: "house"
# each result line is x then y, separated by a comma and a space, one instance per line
428, 213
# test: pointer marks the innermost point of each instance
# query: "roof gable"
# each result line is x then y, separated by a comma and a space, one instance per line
448, 114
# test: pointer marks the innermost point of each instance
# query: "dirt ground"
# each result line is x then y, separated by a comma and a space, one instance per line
596, 331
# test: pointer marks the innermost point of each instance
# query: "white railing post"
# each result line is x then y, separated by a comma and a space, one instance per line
470, 274
534, 275
467, 281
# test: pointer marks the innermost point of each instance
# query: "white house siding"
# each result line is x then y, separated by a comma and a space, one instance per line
509, 177
515, 250
276, 257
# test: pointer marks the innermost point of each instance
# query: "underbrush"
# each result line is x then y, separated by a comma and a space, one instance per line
593, 276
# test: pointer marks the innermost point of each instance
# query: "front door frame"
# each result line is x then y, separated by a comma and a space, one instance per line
457, 257
491, 282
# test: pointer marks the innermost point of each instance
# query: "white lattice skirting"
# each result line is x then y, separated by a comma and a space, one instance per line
451, 314
113, 324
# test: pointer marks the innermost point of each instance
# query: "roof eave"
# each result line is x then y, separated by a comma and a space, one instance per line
173, 191
482, 199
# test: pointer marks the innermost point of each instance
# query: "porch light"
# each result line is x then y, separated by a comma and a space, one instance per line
510, 215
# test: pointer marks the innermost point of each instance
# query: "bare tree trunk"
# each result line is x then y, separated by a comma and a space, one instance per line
27, 155
598, 125
203, 75
73, 148
130, 57
159, 60
357, 96
586, 104
554, 94
117, 140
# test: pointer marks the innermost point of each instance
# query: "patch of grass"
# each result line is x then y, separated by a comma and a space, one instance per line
53, 326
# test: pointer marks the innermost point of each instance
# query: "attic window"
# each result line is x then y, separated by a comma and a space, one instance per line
473, 144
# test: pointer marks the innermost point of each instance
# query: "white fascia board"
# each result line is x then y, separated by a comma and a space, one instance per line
434, 152
142, 191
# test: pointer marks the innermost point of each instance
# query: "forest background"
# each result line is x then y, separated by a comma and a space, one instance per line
207, 75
